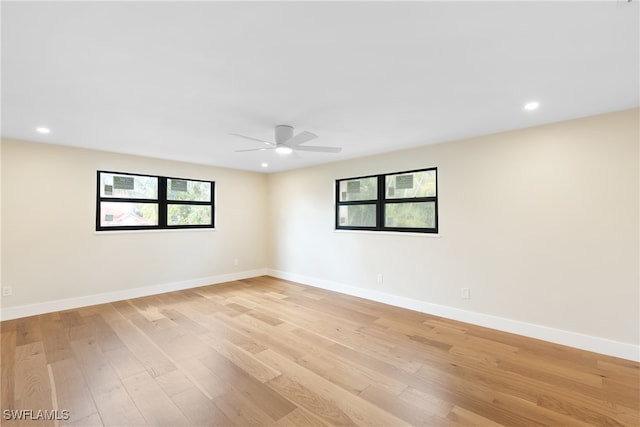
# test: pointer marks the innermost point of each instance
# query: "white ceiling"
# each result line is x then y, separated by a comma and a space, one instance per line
173, 79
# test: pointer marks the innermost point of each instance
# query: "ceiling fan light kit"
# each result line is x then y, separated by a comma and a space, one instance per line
284, 150
286, 142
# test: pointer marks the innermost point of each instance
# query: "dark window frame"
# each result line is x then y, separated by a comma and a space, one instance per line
381, 202
161, 201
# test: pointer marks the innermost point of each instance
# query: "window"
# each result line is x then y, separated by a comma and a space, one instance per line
139, 202
402, 201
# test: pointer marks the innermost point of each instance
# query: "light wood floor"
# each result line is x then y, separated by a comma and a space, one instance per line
269, 352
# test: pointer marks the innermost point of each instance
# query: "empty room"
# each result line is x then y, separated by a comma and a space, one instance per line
320, 213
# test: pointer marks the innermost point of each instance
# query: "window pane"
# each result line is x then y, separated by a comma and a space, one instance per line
359, 189
188, 215
413, 184
128, 186
357, 216
116, 214
410, 215
184, 189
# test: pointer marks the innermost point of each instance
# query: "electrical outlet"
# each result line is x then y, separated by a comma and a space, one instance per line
235, 261
465, 293
380, 278
7, 291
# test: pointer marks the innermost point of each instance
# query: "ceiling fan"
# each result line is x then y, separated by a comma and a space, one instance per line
286, 142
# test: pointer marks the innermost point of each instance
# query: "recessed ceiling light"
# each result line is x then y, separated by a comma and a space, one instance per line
284, 150
265, 165
530, 106
43, 130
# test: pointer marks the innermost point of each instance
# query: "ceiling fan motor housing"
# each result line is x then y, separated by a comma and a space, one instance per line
283, 133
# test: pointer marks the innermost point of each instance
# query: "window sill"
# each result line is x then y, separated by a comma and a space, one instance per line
392, 233
152, 230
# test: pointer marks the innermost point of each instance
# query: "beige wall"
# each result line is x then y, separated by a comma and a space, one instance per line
541, 224
50, 250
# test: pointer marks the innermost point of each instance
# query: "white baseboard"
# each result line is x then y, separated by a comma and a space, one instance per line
558, 336
8, 313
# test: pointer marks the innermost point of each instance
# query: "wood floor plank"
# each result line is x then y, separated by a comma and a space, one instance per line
414, 414
461, 417
154, 405
55, 337
174, 382
489, 397
71, 318
269, 320
270, 352
266, 335
241, 410
338, 373
320, 396
28, 330
7, 362
156, 363
105, 336
333, 310
623, 394
428, 402
184, 321
371, 376
72, 393
32, 384
206, 381
273, 404
111, 398
179, 345
92, 420
200, 410
301, 418
197, 406
242, 358
124, 362
325, 407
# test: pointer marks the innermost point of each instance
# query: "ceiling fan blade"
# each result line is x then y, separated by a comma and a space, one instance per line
300, 138
318, 149
255, 149
252, 138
